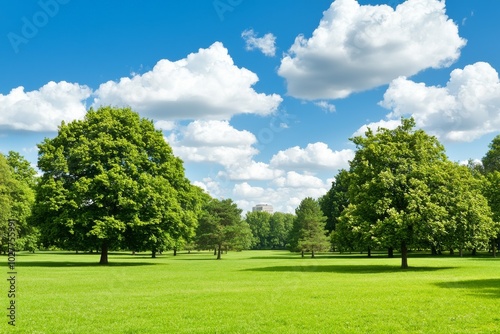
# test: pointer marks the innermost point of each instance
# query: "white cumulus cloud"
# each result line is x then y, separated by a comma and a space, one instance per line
296, 180
314, 156
463, 110
45, 108
359, 47
205, 85
266, 44
374, 126
213, 141
251, 170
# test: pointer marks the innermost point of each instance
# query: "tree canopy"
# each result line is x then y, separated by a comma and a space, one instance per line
308, 233
336, 199
17, 179
404, 192
259, 222
221, 225
491, 161
112, 181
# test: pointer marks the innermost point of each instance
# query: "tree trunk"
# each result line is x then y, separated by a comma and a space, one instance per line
390, 252
153, 254
219, 251
369, 252
452, 252
460, 252
175, 251
302, 253
474, 251
312, 254
215, 251
104, 253
404, 256
494, 248
434, 250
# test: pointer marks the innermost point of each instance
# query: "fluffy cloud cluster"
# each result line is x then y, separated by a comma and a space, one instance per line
43, 109
250, 181
213, 141
356, 47
266, 44
204, 85
314, 156
465, 109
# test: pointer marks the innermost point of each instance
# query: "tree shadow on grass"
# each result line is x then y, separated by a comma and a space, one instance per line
347, 269
488, 288
68, 264
274, 257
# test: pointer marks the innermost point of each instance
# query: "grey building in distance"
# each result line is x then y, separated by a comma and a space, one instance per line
263, 207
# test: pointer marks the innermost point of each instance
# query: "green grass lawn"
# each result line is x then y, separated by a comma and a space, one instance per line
254, 292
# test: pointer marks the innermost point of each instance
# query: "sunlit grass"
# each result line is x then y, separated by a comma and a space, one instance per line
255, 292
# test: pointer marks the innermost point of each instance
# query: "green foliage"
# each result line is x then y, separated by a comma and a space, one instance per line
16, 201
259, 222
22, 169
467, 222
220, 225
335, 200
491, 161
270, 230
404, 192
308, 232
280, 226
111, 181
492, 193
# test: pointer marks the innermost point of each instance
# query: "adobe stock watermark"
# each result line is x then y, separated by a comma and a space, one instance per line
223, 6
12, 273
32, 25
278, 123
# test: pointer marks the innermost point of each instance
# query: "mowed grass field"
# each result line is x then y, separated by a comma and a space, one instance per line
254, 292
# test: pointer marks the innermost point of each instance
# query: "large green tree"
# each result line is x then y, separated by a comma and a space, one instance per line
464, 212
492, 193
111, 181
491, 167
402, 194
17, 195
25, 174
308, 232
220, 226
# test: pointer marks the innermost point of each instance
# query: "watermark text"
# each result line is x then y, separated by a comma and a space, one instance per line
12, 273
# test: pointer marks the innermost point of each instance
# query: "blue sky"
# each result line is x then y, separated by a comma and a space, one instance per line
259, 98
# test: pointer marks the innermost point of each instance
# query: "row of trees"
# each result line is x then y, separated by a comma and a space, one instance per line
110, 181
401, 191
270, 230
